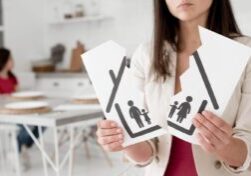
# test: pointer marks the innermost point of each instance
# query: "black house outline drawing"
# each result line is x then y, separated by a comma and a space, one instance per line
204, 103
116, 82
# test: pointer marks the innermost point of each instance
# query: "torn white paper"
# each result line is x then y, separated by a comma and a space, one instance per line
214, 71
109, 71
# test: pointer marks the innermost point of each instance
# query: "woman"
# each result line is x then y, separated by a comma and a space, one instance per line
225, 145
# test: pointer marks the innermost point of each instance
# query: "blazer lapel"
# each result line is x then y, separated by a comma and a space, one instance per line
168, 87
171, 81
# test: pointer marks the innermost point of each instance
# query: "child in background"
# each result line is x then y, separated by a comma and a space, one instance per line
8, 85
8, 81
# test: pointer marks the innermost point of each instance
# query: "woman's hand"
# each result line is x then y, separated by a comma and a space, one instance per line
110, 136
215, 136
213, 132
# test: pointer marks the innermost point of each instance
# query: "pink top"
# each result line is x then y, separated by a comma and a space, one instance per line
181, 159
8, 85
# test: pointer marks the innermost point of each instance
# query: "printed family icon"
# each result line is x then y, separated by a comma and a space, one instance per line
136, 114
184, 109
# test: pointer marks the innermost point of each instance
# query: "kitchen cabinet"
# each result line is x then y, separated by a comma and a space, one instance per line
63, 84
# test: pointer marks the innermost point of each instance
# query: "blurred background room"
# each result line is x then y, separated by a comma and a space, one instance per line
50, 94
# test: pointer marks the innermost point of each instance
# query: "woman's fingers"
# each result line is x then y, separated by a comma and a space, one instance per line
205, 132
210, 131
112, 143
110, 139
103, 124
220, 128
108, 128
218, 122
213, 131
114, 147
204, 144
109, 132
110, 136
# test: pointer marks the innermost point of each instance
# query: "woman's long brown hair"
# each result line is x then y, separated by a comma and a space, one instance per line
220, 19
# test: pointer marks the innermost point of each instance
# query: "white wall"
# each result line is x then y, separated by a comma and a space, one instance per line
24, 23
30, 36
243, 15
130, 24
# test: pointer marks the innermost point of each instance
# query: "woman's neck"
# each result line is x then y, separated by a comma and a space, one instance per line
189, 37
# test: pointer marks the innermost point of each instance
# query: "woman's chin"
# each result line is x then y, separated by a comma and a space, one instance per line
186, 17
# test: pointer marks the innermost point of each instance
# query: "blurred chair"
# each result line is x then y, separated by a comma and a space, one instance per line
85, 135
9, 155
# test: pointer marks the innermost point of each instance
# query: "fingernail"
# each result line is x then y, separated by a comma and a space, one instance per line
119, 130
113, 125
120, 136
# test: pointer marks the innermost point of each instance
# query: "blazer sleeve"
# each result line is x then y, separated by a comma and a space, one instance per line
138, 71
242, 129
